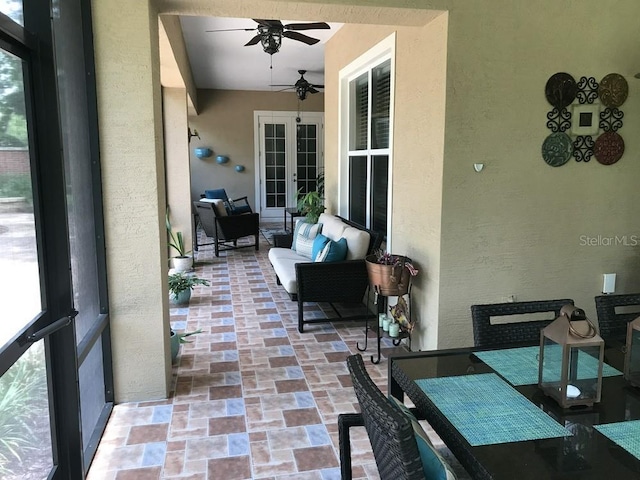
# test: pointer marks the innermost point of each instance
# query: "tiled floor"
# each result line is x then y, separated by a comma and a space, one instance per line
252, 397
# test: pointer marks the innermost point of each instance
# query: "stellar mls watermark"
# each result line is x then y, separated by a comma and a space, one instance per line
614, 241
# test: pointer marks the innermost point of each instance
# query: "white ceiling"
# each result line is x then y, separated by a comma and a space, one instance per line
219, 60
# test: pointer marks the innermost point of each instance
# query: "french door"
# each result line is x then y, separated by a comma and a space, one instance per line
289, 157
55, 376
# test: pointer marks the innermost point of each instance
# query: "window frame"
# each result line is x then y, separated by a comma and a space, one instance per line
378, 54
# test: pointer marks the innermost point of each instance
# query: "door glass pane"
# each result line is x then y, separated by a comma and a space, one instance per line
379, 187
359, 112
306, 159
13, 10
380, 101
358, 190
275, 171
19, 277
25, 431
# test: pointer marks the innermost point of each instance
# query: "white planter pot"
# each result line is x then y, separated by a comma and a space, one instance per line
182, 264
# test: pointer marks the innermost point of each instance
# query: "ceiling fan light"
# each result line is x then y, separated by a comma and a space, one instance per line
301, 92
270, 40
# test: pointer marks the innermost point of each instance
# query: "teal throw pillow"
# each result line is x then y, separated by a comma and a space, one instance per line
318, 244
433, 465
333, 251
303, 236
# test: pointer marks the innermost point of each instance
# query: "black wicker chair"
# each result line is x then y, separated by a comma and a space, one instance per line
390, 431
226, 230
612, 325
487, 334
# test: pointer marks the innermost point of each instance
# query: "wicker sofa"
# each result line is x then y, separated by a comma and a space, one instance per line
333, 282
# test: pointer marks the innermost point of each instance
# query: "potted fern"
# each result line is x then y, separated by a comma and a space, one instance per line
183, 261
311, 204
178, 339
181, 285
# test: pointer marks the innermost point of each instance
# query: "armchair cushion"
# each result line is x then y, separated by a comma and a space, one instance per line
303, 237
434, 466
218, 205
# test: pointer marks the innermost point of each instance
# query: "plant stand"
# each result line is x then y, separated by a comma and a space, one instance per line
381, 301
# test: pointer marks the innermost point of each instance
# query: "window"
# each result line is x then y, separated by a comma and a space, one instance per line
366, 109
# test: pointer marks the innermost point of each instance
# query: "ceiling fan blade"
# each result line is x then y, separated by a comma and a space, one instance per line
308, 26
232, 30
316, 86
288, 86
300, 37
312, 90
269, 23
254, 41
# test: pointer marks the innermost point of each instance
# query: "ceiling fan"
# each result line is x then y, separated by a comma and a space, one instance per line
302, 86
270, 33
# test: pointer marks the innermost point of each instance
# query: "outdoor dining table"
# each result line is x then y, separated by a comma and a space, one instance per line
487, 408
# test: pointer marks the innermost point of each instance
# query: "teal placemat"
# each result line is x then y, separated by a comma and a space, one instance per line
486, 410
625, 434
519, 366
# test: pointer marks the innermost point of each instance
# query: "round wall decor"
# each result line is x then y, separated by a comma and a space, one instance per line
608, 148
561, 90
557, 149
613, 90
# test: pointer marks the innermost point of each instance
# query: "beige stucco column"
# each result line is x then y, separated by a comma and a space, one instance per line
129, 114
176, 145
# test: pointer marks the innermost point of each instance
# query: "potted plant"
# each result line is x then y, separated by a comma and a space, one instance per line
181, 262
390, 274
181, 285
311, 204
178, 339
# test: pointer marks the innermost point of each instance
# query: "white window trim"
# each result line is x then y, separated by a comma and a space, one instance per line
386, 49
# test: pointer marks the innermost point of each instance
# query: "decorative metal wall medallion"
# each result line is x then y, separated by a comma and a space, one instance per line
559, 120
608, 148
611, 119
613, 90
557, 149
561, 90
583, 148
587, 90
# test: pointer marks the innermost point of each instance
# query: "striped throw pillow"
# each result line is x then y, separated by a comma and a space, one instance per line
303, 237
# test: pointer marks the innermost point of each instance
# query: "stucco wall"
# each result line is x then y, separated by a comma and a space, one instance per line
225, 124
515, 228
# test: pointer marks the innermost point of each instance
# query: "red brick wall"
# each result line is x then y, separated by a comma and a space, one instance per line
14, 161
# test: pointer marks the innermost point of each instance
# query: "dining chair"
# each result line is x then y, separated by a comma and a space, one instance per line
497, 334
390, 431
612, 322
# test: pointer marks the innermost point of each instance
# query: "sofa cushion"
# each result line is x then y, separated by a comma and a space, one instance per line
284, 262
357, 241
332, 226
318, 244
303, 237
333, 251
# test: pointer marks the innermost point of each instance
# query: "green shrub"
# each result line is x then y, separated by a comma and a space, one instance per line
16, 185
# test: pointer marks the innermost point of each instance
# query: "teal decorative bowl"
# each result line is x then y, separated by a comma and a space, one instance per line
239, 168
222, 159
202, 152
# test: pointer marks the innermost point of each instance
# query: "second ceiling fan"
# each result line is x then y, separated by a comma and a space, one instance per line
302, 86
270, 33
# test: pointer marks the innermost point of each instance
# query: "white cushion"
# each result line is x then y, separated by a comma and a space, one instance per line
303, 237
357, 243
284, 264
332, 226
218, 204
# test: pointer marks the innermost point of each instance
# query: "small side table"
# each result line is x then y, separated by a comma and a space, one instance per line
293, 211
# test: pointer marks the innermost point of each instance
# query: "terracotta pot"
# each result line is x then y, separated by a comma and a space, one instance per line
388, 280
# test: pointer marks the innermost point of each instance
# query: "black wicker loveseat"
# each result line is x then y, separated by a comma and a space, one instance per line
342, 282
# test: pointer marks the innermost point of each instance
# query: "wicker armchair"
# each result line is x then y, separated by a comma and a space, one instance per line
486, 334
390, 431
226, 230
612, 325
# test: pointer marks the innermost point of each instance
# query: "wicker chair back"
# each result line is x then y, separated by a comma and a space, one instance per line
390, 431
487, 334
613, 325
